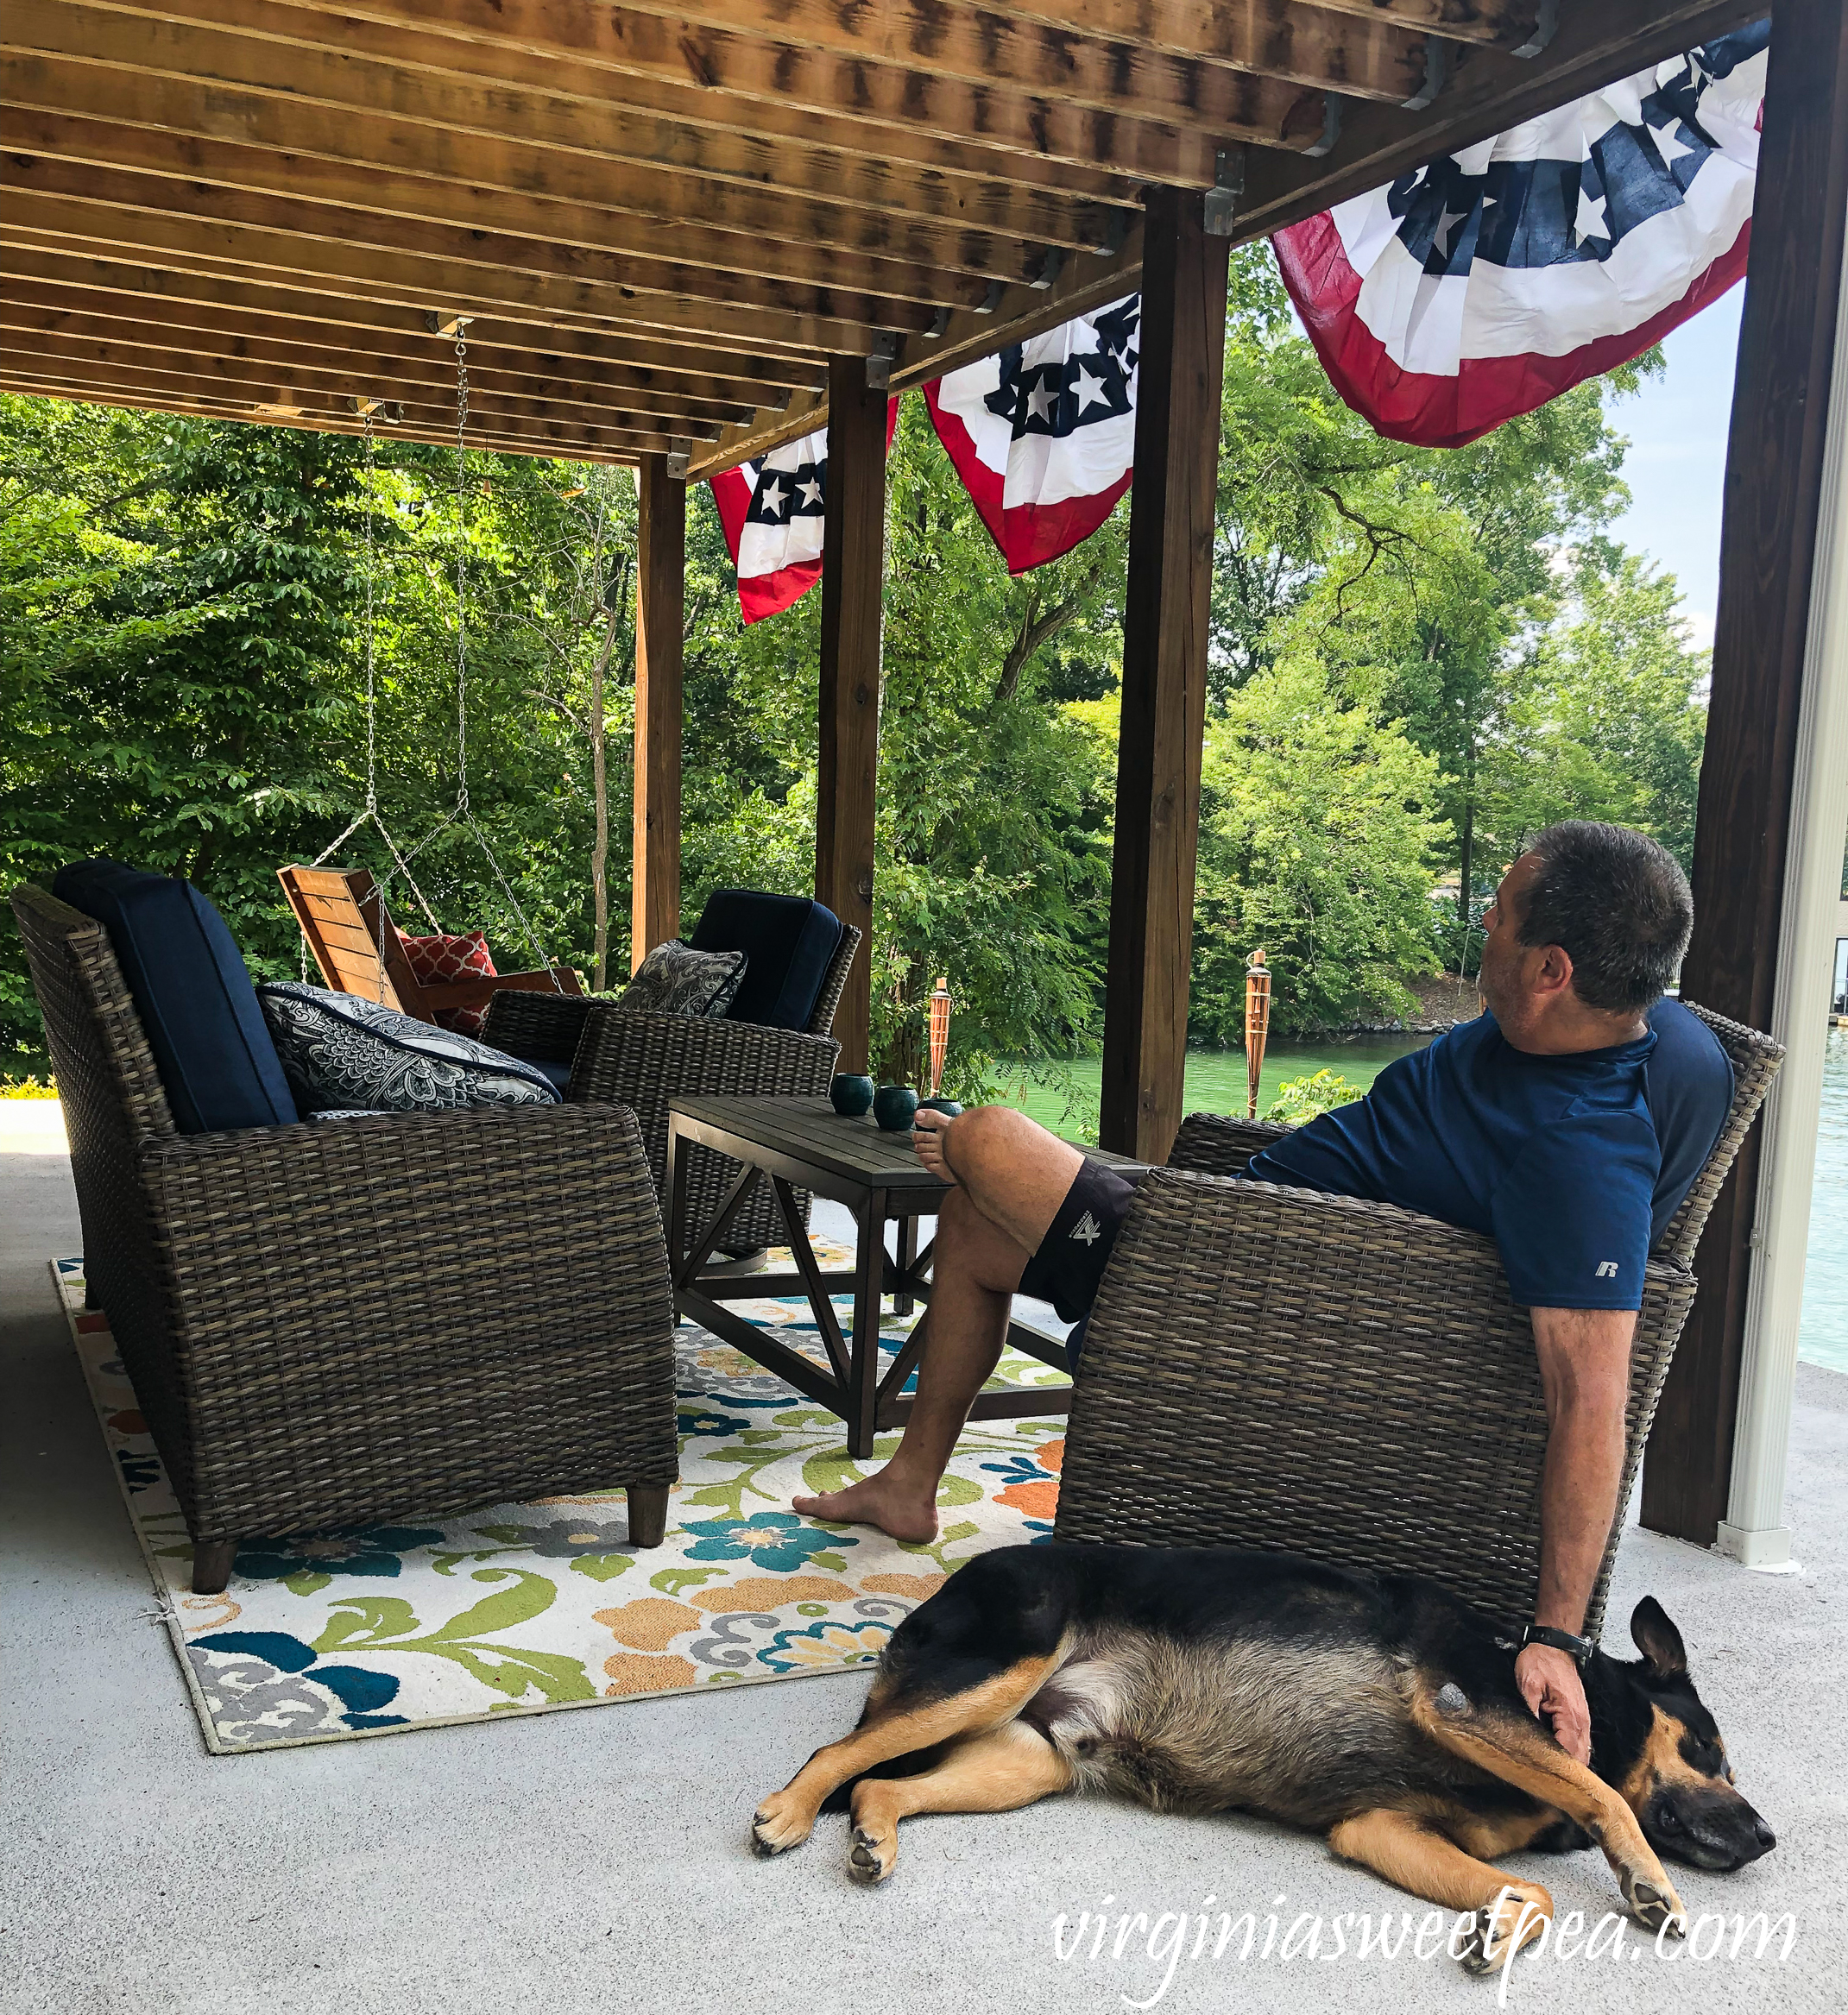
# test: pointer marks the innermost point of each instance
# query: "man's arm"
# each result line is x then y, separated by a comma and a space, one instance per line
1584, 1372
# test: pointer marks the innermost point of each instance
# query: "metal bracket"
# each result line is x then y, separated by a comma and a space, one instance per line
939, 324
1437, 74
991, 300
1049, 270
1116, 233
438, 324
389, 410
679, 453
1331, 127
885, 355
1228, 186
1545, 27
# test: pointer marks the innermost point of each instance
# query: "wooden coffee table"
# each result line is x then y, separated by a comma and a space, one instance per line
804, 1143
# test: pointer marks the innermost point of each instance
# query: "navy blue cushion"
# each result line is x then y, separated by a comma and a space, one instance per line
788, 941
559, 1074
196, 1005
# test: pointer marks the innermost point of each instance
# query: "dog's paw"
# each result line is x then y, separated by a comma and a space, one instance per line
870, 1857
1500, 1928
1653, 1905
779, 1824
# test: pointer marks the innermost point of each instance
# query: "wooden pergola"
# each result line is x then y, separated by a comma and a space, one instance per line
682, 234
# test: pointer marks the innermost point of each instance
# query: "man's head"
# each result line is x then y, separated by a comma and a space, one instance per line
1587, 930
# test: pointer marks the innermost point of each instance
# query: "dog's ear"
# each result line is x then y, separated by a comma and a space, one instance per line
1658, 1639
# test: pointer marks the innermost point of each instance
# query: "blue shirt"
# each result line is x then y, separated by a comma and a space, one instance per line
1573, 1164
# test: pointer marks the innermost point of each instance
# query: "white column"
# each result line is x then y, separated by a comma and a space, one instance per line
1753, 1530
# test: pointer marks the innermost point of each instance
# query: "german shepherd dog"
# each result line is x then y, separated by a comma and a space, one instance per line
1378, 1709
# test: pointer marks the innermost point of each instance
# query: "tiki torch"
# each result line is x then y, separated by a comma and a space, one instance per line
939, 1033
1256, 1024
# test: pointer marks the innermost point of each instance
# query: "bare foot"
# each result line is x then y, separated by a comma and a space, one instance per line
880, 1501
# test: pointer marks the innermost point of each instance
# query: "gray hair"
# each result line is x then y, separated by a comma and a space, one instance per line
1616, 903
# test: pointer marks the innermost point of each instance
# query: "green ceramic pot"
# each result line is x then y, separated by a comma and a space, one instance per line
894, 1107
851, 1094
951, 1107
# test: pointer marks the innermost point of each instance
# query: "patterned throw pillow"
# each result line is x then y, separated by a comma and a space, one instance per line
343, 1053
675, 979
435, 961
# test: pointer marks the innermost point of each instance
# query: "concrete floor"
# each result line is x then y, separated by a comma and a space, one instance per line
595, 1860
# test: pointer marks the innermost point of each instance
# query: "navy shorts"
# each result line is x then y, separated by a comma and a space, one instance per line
1069, 1263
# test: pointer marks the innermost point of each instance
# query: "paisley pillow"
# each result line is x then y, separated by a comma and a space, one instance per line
342, 1052
675, 979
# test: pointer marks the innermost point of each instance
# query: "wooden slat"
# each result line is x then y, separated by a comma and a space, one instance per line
1776, 471
1166, 626
372, 329
229, 380
1040, 125
1508, 22
1117, 55
566, 145
661, 614
531, 440
427, 367
270, 184
91, 211
425, 401
776, 139
506, 181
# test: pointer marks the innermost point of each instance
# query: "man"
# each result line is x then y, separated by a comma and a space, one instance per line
1569, 1121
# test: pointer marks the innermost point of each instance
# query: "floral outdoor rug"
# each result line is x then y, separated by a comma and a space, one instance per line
521, 1608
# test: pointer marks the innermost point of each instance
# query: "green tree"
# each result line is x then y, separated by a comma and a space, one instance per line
1316, 833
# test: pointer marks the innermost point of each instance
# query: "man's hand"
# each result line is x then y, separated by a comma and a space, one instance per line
929, 1130
1554, 1690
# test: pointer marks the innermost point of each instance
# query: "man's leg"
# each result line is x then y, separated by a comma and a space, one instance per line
1011, 1178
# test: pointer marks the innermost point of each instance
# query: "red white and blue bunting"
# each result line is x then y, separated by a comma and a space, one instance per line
1492, 280
772, 511
1043, 435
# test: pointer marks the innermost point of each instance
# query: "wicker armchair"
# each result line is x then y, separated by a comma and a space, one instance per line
371, 1320
645, 1061
1280, 1369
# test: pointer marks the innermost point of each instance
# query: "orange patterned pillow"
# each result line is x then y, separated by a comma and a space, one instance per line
436, 960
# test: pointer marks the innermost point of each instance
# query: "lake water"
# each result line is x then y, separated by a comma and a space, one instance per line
1823, 1339
1216, 1083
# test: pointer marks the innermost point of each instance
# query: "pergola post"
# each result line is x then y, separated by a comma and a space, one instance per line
660, 593
1182, 344
853, 569
1774, 800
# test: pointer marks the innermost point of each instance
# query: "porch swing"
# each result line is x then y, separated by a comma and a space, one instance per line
344, 913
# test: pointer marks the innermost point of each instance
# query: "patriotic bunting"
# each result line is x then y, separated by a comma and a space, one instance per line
1492, 280
1044, 434
772, 510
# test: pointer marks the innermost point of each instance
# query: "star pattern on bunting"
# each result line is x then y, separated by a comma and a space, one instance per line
1056, 398
781, 495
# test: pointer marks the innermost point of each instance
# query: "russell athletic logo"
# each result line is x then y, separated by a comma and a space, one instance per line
1088, 1231
1607, 1270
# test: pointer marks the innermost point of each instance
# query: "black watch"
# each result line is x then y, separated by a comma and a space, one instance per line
1578, 1649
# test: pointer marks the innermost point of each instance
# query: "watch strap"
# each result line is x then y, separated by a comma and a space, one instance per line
1579, 1649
